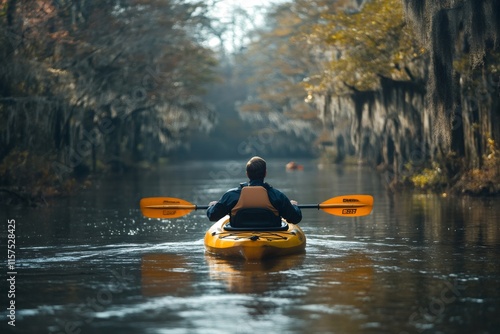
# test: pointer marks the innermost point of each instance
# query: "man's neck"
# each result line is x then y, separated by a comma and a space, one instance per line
256, 182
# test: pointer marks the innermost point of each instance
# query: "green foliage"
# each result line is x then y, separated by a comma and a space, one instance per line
315, 47
429, 178
364, 45
484, 180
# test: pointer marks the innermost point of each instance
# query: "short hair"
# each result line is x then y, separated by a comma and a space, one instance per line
256, 168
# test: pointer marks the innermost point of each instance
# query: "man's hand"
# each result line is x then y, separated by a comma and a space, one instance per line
294, 202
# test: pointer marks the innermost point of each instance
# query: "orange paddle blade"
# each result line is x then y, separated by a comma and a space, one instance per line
165, 207
348, 205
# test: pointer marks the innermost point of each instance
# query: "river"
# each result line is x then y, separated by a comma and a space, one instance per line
93, 264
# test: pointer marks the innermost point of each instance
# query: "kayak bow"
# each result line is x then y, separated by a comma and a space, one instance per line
254, 245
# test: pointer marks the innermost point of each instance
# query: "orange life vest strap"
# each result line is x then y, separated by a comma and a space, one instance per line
254, 197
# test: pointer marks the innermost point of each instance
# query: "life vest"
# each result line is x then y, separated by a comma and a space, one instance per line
254, 207
254, 197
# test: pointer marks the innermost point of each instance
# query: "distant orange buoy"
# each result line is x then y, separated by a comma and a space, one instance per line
292, 165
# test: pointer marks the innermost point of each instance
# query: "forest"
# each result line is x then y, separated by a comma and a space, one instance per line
411, 88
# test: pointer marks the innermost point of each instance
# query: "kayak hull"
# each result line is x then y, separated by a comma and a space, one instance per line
254, 245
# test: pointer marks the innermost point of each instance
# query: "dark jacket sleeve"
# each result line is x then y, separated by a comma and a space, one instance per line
217, 211
223, 206
291, 213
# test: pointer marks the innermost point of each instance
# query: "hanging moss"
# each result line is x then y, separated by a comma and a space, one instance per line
463, 41
437, 118
416, 10
494, 10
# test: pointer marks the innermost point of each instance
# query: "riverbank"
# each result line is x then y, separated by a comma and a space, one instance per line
479, 182
29, 179
452, 179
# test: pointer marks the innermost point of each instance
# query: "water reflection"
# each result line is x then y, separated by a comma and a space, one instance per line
340, 294
165, 275
252, 277
424, 218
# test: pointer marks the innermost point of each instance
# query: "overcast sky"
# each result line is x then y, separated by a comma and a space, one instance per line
255, 8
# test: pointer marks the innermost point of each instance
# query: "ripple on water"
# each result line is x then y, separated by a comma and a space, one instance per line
41, 257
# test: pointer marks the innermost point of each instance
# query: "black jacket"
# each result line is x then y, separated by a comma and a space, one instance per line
290, 212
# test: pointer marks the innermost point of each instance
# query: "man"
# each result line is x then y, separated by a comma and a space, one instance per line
255, 194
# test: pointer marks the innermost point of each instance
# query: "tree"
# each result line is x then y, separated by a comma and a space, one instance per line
114, 82
452, 31
363, 46
278, 61
463, 38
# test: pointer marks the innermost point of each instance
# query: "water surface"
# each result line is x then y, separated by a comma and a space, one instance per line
417, 264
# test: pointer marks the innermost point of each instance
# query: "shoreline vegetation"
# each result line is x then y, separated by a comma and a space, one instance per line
33, 183
483, 182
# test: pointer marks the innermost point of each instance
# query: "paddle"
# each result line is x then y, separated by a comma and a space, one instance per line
171, 207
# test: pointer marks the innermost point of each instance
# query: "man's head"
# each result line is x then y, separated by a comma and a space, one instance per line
256, 168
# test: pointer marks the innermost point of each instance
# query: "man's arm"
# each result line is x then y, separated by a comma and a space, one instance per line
290, 212
223, 207
216, 211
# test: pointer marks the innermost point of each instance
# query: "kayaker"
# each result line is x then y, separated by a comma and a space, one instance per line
276, 201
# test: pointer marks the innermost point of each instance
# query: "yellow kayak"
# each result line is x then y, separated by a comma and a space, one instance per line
254, 245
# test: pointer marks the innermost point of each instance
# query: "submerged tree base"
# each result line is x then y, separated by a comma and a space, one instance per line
433, 178
477, 182
29, 179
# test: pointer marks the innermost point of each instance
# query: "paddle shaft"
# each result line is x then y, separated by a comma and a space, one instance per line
178, 207
302, 206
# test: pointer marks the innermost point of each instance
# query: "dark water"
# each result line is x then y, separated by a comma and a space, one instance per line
93, 264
